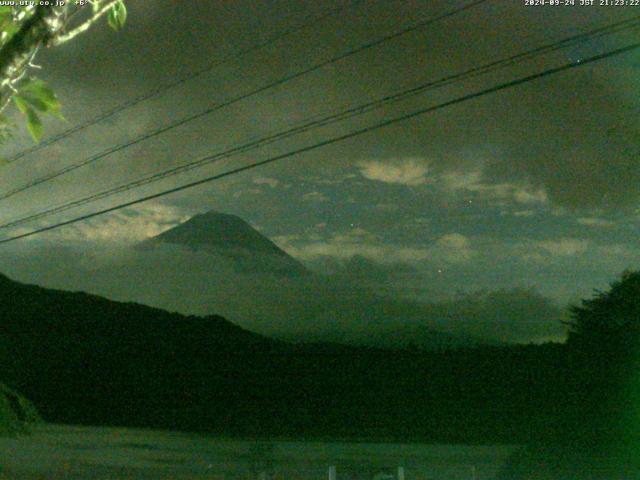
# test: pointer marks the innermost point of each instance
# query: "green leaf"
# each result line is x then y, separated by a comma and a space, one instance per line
8, 29
117, 16
20, 103
37, 94
37, 104
5, 18
6, 15
38, 88
34, 124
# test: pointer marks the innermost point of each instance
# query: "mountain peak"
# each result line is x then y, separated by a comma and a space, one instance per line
230, 236
215, 216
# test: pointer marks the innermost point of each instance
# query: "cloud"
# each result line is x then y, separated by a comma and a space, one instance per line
594, 222
507, 315
271, 182
522, 195
304, 307
573, 138
315, 196
461, 180
452, 248
548, 252
410, 171
364, 270
593, 163
454, 241
330, 178
354, 242
474, 181
616, 257
571, 141
524, 213
125, 226
564, 247
337, 249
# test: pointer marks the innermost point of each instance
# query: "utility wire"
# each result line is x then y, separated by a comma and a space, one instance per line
308, 21
569, 41
333, 140
349, 113
214, 108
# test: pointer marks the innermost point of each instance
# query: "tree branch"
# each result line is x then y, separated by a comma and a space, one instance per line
60, 39
38, 29
16, 54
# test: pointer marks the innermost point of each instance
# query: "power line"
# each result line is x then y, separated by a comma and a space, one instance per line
333, 140
361, 109
334, 118
309, 21
259, 90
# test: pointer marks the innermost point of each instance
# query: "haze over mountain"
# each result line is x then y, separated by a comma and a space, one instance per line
231, 237
216, 263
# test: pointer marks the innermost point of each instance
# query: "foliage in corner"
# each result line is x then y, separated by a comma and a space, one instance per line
117, 16
23, 31
34, 97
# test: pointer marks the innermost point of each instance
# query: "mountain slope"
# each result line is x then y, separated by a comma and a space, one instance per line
297, 308
83, 359
231, 237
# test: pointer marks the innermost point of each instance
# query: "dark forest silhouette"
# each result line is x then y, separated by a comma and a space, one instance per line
597, 435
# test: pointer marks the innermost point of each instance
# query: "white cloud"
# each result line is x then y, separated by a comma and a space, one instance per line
545, 251
127, 225
452, 248
594, 222
456, 180
563, 247
472, 181
315, 196
410, 171
528, 197
453, 240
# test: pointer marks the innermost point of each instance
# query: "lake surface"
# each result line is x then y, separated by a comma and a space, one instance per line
69, 452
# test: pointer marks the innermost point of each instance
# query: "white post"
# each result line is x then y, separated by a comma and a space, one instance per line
400, 473
332, 472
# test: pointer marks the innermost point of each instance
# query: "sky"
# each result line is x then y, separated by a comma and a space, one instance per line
534, 187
